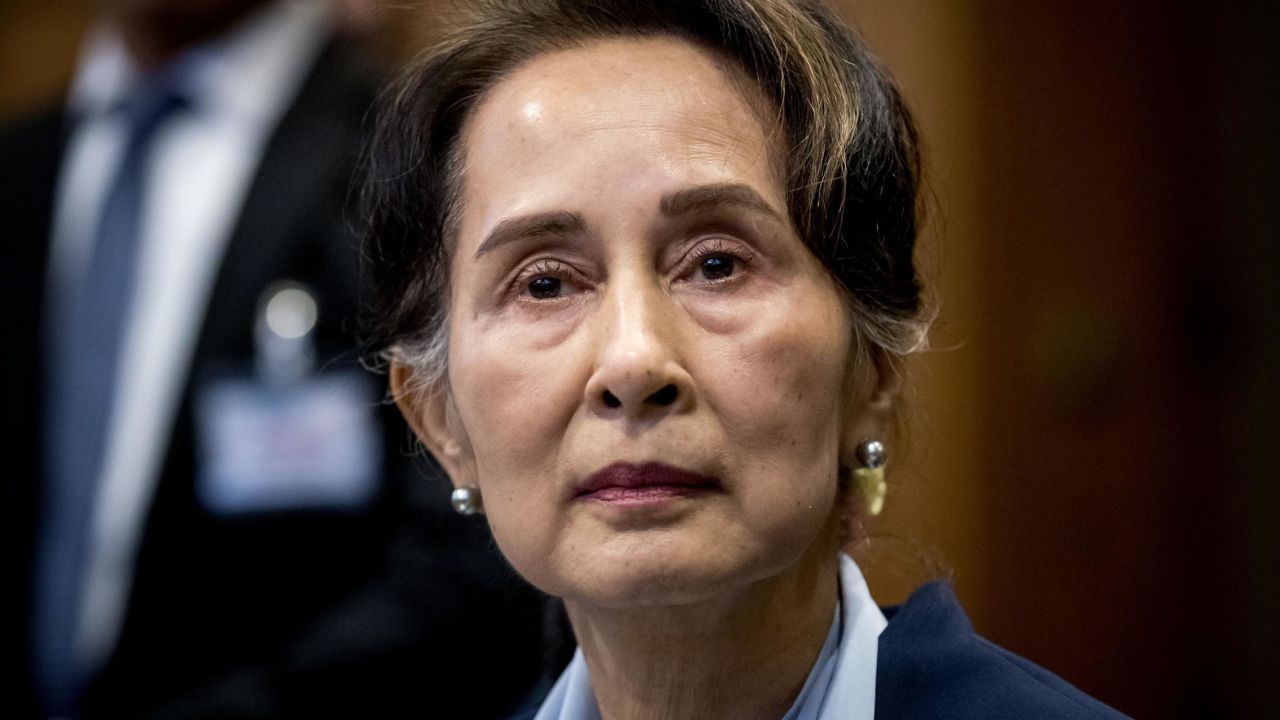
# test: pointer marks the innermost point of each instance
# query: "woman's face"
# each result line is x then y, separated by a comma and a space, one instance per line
649, 374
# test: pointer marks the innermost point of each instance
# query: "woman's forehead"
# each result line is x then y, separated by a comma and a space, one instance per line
652, 113
591, 78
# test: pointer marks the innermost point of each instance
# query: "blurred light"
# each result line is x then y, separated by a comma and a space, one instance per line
291, 313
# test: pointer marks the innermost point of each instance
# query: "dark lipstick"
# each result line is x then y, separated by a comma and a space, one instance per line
643, 483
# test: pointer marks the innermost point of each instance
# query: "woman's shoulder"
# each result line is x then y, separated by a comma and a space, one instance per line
932, 664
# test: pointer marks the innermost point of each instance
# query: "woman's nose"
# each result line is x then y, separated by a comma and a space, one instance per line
639, 372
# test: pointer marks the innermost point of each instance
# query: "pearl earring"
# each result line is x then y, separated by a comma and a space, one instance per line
466, 501
872, 456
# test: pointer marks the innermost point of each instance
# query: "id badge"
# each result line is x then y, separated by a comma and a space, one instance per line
283, 437
312, 444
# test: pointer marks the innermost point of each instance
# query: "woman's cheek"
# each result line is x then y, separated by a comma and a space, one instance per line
521, 384
778, 360
771, 388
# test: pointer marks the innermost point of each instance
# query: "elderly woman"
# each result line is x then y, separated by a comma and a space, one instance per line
644, 278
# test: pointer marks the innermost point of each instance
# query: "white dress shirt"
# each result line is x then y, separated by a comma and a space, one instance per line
840, 686
199, 168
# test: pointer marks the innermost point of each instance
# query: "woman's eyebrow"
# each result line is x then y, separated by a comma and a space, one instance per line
676, 204
525, 227
706, 197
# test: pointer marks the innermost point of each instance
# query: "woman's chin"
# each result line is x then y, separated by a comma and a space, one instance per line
658, 573
641, 588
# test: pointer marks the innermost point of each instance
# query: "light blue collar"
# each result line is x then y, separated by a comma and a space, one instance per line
841, 685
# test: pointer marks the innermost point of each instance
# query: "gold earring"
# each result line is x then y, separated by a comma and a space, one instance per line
869, 475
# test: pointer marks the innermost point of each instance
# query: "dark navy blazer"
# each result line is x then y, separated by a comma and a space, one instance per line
931, 664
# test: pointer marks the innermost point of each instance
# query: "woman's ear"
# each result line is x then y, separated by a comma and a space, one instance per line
429, 413
875, 390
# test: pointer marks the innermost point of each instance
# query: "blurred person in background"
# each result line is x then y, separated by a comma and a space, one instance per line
207, 512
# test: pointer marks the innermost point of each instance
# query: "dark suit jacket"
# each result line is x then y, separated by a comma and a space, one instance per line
931, 664
402, 608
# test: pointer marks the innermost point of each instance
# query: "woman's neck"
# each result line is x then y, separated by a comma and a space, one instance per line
745, 656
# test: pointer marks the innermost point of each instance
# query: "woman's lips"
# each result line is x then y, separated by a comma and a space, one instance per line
628, 483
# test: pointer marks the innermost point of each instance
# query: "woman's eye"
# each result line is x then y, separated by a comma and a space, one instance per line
544, 287
717, 267
716, 260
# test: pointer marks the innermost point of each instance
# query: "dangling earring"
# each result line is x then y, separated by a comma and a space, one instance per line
466, 501
869, 475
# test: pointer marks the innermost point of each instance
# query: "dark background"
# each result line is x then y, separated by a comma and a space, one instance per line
1092, 451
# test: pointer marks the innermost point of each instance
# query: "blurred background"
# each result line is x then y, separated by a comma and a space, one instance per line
1092, 454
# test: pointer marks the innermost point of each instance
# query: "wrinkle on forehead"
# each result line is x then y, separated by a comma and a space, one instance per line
559, 98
